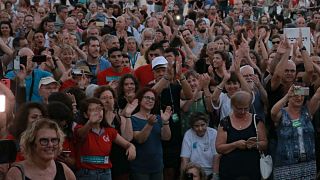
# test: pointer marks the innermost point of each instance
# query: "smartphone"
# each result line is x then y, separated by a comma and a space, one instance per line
6, 82
18, 61
99, 24
8, 151
39, 58
2, 103
253, 138
302, 91
52, 16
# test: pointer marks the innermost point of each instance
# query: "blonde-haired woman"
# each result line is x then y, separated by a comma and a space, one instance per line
41, 143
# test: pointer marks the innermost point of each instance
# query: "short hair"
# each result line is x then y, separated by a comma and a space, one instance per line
240, 97
29, 136
199, 22
61, 7
246, 66
112, 50
173, 50
197, 116
161, 31
190, 73
16, 41
192, 165
28, 15
91, 38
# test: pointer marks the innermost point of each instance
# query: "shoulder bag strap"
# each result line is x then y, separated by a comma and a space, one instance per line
21, 169
32, 84
255, 125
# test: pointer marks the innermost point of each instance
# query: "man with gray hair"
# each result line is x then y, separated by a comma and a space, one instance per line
260, 101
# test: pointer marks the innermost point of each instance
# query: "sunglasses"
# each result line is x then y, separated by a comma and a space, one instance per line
275, 42
45, 141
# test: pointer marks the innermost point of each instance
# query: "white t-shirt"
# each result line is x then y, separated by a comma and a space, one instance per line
200, 150
224, 105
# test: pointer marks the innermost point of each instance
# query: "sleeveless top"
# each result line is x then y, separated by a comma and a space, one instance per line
237, 158
60, 172
289, 145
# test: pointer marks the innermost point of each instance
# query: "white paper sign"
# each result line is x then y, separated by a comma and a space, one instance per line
293, 34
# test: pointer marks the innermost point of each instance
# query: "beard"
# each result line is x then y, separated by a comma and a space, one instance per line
202, 30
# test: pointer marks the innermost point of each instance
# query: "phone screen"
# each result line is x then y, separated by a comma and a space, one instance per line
16, 63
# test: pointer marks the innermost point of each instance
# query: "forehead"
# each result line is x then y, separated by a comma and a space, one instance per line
116, 53
149, 93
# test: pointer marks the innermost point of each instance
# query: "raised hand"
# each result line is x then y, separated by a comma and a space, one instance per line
165, 116
66, 75
256, 80
95, 117
22, 73
130, 107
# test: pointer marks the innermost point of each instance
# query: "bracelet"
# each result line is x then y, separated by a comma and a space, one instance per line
74, 104
127, 116
165, 123
220, 88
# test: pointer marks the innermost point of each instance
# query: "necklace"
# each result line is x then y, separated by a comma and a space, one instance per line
238, 123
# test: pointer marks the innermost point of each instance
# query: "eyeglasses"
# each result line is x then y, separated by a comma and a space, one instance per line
275, 42
149, 98
45, 141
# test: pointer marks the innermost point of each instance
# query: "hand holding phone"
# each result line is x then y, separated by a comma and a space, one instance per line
251, 142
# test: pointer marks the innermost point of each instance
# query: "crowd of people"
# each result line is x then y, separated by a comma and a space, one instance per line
159, 89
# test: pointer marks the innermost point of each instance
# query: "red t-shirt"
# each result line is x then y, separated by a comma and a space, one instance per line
104, 77
67, 84
95, 145
144, 75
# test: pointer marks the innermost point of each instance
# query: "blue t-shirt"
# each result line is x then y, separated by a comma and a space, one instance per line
38, 74
103, 65
149, 153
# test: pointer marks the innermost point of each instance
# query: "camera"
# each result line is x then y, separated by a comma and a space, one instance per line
302, 91
39, 58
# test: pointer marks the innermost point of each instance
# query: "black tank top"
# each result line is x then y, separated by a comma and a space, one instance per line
60, 172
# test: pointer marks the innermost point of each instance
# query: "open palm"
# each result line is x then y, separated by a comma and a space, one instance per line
165, 116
